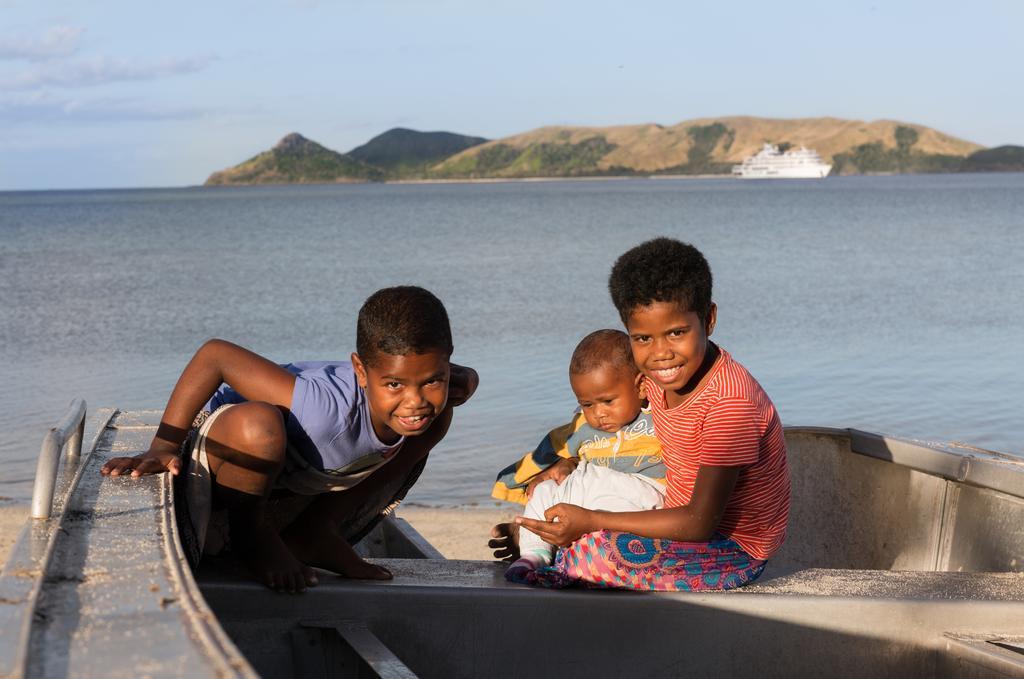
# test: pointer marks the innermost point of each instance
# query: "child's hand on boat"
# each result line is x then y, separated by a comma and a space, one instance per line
557, 472
154, 461
564, 525
505, 541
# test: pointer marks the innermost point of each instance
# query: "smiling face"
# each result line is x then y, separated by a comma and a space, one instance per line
610, 397
669, 345
405, 392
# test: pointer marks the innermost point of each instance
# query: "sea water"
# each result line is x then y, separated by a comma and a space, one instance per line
891, 304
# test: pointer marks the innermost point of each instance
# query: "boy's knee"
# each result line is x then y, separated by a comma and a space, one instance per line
262, 429
252, 429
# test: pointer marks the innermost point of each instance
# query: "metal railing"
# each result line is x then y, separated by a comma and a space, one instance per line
68, 433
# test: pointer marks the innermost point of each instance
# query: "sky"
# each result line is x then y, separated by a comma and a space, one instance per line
106, 94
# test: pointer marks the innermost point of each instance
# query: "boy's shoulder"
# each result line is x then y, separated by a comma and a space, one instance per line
728, 372
733, 381
310, 368
327, 393
337, 376
735, 397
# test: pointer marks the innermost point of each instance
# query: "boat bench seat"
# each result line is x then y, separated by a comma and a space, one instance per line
813, 582
448, 617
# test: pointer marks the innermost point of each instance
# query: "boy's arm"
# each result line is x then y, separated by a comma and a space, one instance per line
462, 384
696, 521
216, 362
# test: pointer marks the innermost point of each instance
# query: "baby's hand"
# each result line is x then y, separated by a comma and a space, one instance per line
505, 541
557, 472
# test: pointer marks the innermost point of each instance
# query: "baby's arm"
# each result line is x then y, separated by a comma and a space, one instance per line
696, 521
216, 362
556, 472
515, 482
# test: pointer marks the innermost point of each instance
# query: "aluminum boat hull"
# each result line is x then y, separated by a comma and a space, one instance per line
904, 558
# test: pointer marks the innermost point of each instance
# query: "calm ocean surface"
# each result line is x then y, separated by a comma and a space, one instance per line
892, 304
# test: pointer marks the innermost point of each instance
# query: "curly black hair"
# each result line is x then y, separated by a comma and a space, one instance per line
402, 320
602, 348
661, 270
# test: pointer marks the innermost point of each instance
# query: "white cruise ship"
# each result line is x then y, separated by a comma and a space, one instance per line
770, 163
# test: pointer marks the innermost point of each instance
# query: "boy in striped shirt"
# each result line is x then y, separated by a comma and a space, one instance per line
727, 479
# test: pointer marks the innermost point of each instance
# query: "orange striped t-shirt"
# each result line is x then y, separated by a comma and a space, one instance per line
729, 422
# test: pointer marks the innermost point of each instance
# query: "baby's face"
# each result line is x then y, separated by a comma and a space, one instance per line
610, 398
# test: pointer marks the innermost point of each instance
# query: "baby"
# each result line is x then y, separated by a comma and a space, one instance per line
606, 459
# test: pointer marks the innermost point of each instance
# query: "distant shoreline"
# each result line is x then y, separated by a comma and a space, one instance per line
501, 180
617, 177
497, 180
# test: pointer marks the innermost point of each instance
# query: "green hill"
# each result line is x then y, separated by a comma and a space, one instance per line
404, 152
707, 146
997, 159
296, 160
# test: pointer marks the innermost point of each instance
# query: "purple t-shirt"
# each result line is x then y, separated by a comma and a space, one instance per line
329, 424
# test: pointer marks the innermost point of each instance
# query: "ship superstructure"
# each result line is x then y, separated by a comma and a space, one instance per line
771, 163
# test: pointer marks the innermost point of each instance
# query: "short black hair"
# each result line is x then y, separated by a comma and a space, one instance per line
661, 270
603, 348
402, 320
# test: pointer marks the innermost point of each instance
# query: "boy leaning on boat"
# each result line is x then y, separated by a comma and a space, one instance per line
727, 496
306, 457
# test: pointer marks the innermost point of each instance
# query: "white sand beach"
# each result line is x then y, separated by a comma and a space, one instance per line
12, 518
457, 532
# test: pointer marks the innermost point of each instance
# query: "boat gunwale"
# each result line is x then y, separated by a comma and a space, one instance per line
207, 632
22, 564
951, 461
199, 621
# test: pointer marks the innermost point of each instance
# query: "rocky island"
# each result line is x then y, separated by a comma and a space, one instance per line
297, 160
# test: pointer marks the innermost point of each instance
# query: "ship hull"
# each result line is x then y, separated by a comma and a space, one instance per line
805, 172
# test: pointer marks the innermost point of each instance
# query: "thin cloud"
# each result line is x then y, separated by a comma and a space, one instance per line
101, 71
45, 108
58, 42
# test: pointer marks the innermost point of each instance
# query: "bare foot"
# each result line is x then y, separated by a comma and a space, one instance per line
505, 541
271, 562
326, 549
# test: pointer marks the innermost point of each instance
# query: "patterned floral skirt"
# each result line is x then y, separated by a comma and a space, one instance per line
606, 559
